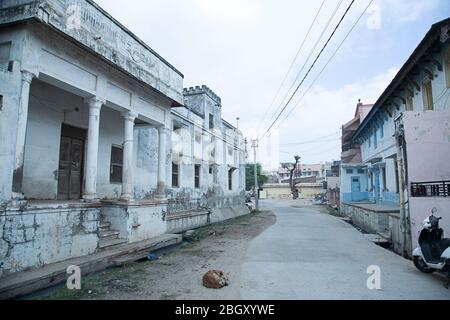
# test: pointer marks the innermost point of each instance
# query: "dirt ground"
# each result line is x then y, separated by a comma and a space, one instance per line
178, 273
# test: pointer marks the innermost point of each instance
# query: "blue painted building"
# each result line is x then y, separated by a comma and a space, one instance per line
353, 173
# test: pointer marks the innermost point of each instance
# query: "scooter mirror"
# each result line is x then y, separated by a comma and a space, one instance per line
433, 211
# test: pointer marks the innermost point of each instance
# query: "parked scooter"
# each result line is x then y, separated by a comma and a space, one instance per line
433, 253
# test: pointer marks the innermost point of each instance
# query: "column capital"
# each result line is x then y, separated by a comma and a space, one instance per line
129, 115
94, 102
27, 76
162, 130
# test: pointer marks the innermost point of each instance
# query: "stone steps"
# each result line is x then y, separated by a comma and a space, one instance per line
104, 225
108, 237
107, 243
108, 234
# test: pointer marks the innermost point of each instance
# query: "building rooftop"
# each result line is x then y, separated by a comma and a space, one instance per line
436, 32
98, 32
202, 90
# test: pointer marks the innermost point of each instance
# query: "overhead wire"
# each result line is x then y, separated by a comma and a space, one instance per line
330, 19
291, 65
310, 68
327, 63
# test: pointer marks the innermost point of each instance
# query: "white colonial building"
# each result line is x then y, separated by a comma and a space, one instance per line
88, 114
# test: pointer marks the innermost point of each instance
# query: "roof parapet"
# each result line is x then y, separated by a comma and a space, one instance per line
202, 90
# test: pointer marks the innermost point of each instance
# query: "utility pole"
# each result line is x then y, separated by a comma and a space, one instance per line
405, 225
254, 146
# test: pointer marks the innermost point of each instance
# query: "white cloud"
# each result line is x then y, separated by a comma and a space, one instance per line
322, 113
231, 10
409, 10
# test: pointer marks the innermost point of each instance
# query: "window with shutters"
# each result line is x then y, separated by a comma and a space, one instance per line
115, 174
175, 175
197, 176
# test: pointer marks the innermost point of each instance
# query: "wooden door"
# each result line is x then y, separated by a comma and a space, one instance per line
70, 164
76, 168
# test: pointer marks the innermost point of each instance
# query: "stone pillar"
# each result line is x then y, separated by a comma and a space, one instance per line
90, 172
127, 169
22, 120
162, 155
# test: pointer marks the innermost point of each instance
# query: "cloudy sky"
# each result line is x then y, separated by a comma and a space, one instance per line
242, 50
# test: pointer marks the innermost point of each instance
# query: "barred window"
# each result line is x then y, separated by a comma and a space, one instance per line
197, 176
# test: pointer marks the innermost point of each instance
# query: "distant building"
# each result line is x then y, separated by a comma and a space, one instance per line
303, 172
333, 184
353, 173
315, 170
335, 170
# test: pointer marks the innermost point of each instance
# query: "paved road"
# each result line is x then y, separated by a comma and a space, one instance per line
309, 254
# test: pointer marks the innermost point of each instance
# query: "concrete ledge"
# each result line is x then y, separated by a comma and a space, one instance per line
186, 214
374, 207
222, 214
372, 218
45, 206
134, 203
22, 283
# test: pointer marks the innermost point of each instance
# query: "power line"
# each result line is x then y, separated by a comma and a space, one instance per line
314, 150
292, 64
307, 59
311, 141
324, 145
310, 68
320, 141
329, 60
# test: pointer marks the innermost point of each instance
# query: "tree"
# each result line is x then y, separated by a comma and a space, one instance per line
250, 178
291, 175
